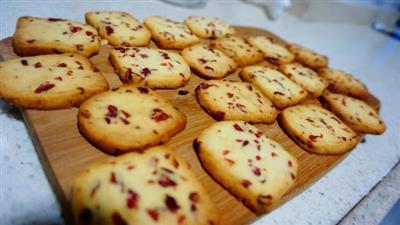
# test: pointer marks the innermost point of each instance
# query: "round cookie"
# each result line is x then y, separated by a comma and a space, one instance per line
208, 62
344, 83
169, 34
38, 36
130, 118
308, 57
234, 100
317, 130
155, 187
153, 68
254, 168
239, 50
354, 112
306, 78
208, 27
119, 28
50, 81
273, 52
276, 86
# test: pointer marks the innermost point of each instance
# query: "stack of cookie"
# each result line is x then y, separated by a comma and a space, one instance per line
149, 183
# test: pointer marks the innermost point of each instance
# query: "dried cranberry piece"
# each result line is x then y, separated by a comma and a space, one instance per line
166, 182
230, 161
24, 62
145, 71
79, 47
55, 19
230, 95
219, 115
194, 197
183, 92
241, 107
131, 201
126, 114
290, 163
165, 55
109, 30
314, 137
75, 29
209, 68
38, 65
44, 87
143, 90
246, 142
278, 93
112, 111
237, 127
273, 154
246, 183
202, 61
171, 204
264, 199
226, 152
113, 178
257, 171
62, 65
159, 115
205, 85
153, 214
89, 33
117, 219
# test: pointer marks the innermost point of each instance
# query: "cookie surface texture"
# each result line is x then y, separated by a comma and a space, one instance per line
169, 34
155, 187
233, 100
154, 68
354, 112
208, 62
275, 86
317, 130
273, 52
37, 36
130, 118
254, 168
308, 57
50, 81
208, 27
119, 28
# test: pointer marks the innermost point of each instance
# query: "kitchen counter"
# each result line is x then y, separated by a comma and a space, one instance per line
27, 198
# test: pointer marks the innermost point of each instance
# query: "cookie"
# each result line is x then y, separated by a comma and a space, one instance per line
344, 83
38, 36
208, 27
153, 67
275, 86
155, 187
208, 62
306, 78
308, 57
119, 28
169, 34
131, 118
239, 50
354, 112
50, 81
317, 130
252, 167
234, 100
273, 52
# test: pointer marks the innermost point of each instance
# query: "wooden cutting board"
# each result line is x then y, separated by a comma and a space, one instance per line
63, 152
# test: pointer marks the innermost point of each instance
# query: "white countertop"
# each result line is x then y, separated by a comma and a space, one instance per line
27, 198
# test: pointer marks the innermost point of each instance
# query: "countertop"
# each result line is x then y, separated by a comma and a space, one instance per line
27, 198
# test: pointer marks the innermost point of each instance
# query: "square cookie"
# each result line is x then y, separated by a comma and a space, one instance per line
119, 28
276, 86
234, 100
37, 36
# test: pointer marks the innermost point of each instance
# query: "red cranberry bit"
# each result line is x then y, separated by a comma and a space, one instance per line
117, 219
79, 47
175, 163
107, 120
171, 204
258, 158
241, 107
144, 56
194, 197
225, 152
75, 29
24, 62
89, 33
128, 76
126, 114
183, 92
293, 176
208, 68
113, 178
143, 90
120, 49
290, 163
159, 115
259, 134
202, 61
314, 137
125, 121
109, 30
112, 111
94, 189
246, 183
219, 115
85, 216
153, 214
131, 201
273, 154
256, 171
230, 95
230, 161
246, 142
237, 127
145, 71
62, 65
166, 182
165, 55
55, 19
182, 218
278, 93
44, 87
38, 65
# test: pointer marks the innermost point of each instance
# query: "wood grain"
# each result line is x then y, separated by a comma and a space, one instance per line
63, 152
